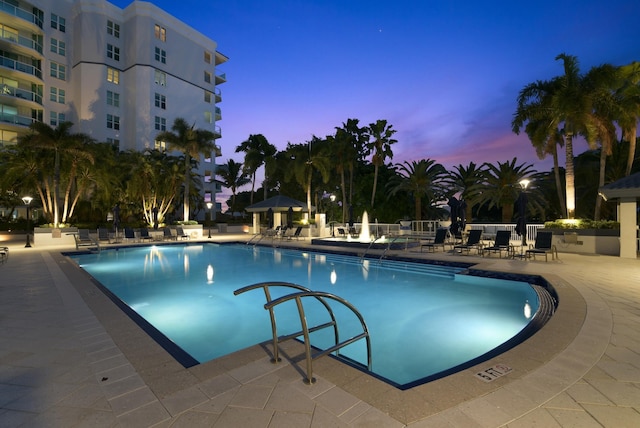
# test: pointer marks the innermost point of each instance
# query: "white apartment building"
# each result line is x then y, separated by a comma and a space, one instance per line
120, 75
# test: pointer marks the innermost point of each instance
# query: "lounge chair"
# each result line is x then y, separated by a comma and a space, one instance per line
168, 235
473, 242
543, 245
501, 244
144, 235
439, 241
4, 253
84, 240
296, 234
180, 233
341, 232
103, 234
129, 234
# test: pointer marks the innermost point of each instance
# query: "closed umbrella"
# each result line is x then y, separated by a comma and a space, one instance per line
116, 217
454, 206
290, 218
270, 218
521, 225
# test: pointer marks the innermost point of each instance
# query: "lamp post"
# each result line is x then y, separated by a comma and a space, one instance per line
524, 183
209, 206
27, 201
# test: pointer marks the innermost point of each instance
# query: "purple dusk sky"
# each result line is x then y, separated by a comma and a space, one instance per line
445, 74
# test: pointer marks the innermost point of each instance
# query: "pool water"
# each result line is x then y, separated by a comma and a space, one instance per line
423, 319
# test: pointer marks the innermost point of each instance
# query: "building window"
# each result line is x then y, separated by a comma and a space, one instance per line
113, 122
113, 99
58, 46
113, 75
113, 29
58, 23
160, 145
208, 117
208, 177
160, 33
161, 55
57, 95
58, 71
207, 57
207, 97
56, 118
113, 52
207, 77
160, 78
161, 101
160, 123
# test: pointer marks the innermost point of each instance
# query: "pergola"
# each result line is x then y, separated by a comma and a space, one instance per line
626, 191
278, 205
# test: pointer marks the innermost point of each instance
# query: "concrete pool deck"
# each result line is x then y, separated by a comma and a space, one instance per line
70, 358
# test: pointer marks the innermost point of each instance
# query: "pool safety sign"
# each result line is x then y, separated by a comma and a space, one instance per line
494, 372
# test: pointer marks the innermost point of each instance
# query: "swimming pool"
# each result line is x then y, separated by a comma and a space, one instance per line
424, 320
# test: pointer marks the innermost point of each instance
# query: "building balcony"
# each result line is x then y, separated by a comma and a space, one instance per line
20, 66
217, 132
18, 122
20, 43
10, 9
218, 151
221, 58
221, 78
218, 114
218, 95
22, 94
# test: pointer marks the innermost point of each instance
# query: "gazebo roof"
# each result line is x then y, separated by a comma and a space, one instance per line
279, 203
627, 187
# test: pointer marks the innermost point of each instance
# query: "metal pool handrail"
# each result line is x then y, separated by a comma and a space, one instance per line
306, 330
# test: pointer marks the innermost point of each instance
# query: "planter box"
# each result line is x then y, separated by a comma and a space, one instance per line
46, 236
589, 241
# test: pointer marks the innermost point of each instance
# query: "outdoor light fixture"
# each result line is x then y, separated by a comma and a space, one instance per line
209, 206
27, 201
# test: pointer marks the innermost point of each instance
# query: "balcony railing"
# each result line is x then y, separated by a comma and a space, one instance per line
20, 93
218, 113
218, 94
218, 132
16, 119
20, 40
221, 78
20, 13
20, 66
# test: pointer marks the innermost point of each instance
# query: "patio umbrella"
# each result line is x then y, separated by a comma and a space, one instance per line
462, 213
454, 206
270, 218
155, 218
521, 225
116, 216
290, 218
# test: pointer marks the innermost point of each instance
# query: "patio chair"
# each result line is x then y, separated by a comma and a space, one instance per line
103, 234
4, 253
168, 235
501, 244
543, 245
296, 234
341, 232
440, 240
180, 233
129, 234
473, 242
84, 240
144, 235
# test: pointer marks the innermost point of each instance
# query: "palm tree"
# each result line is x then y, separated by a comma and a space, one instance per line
418, 179
307, 159
563, 101
501, 185
62, 142
233, 176
257, 152
380, 146
463, 179
191, 142
628, 95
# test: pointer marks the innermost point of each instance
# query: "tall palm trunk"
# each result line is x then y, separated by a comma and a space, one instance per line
375, 183
603, 165
632, 149
556, 173
56, 189
187, 180
570, 177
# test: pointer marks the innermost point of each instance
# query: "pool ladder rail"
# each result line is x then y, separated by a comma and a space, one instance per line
322, 297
